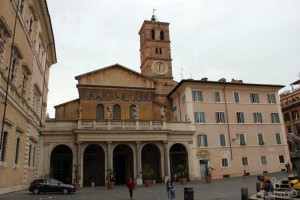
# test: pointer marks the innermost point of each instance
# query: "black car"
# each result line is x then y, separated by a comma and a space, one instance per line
50, 185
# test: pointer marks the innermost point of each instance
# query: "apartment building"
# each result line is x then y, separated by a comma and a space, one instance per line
238, 126
27, 51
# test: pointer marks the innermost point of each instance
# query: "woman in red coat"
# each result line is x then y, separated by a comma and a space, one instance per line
131, 187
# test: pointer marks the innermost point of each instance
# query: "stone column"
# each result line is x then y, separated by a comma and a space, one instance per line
79, 158
166, 160
109, 159
139, 179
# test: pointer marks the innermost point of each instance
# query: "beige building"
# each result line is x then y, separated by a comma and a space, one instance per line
127, 120
27, 51
237, 125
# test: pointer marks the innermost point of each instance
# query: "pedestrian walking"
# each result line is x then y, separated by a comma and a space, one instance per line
131, 187
170, 189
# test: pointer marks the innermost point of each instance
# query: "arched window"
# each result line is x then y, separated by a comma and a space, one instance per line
117, 112
161, 35
100, 112
153, 34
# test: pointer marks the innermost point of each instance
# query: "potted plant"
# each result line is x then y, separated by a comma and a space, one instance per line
208, 173
148, 174
182, 174
110, 178
76, 182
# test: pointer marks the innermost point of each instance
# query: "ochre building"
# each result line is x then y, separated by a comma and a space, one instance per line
27, 51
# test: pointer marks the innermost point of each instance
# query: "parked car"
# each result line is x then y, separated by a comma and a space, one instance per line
50, 185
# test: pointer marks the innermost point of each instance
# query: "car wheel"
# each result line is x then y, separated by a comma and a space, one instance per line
65, 191
36, 191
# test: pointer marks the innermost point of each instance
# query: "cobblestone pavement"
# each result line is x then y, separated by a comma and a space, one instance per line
223, 189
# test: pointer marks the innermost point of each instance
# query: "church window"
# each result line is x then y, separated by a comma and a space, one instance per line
117, 112
100, 112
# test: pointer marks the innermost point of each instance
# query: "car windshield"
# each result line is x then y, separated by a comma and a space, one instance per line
54, 181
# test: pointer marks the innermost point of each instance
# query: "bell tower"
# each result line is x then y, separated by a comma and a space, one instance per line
155, 53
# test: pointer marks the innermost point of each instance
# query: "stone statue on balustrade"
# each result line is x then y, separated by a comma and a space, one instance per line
163, 113
109, 113
79, 112
135, 112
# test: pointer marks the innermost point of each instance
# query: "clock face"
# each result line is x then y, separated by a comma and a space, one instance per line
159, 68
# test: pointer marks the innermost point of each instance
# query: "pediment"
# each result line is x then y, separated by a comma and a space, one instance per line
115, 76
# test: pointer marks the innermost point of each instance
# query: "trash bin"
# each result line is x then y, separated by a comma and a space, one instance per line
188, 193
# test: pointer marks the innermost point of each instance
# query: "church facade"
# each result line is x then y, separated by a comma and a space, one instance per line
127, 121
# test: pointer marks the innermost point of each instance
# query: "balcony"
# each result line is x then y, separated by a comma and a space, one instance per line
133, 125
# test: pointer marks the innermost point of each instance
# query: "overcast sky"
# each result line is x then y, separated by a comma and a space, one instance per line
257, 41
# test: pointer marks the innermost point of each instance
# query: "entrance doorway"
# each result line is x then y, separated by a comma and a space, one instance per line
93, 165
61, 164
178, 156
123, 163
151, 157
202, 168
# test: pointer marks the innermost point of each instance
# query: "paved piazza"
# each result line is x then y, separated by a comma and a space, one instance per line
223, 189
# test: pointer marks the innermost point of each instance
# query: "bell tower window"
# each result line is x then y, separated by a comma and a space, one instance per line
161, 35
153, 34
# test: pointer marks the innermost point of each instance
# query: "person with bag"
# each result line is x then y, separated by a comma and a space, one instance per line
268, 189
170, 189
131, 187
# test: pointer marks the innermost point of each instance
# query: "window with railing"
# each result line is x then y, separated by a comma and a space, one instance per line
295, 114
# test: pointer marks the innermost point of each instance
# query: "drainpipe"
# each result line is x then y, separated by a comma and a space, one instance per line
8, 79
227, 122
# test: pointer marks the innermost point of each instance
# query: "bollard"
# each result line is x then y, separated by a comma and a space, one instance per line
244, 192
188, 193
93, 184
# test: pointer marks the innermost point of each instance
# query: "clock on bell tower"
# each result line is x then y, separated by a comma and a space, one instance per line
155, 54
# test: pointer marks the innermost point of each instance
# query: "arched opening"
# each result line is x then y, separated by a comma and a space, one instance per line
100, 112
161, 35
178, 156
117, 112
61, 166
93, 165
123, 163
151, 156
153, 34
